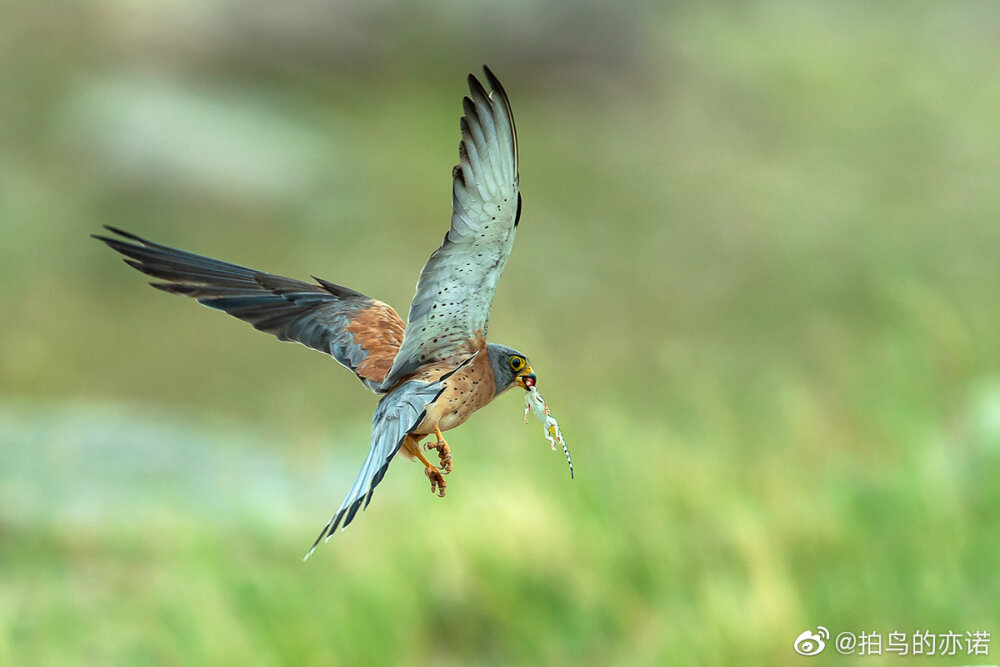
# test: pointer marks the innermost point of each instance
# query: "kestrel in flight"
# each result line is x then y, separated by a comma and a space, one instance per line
435, 369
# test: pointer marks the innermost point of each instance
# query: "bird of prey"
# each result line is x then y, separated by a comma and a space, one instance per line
434, 370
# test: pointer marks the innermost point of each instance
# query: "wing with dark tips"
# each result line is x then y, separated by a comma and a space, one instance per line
361, 333
450, 311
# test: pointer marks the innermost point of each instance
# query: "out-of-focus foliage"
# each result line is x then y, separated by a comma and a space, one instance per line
757, 274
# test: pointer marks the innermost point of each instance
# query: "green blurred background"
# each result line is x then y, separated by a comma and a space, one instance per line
757, 274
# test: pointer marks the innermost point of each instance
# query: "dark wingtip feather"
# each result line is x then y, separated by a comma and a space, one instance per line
477, 87
497, 88
127, 249
170, 288
469, 108
128, 235
109, 240
492, 79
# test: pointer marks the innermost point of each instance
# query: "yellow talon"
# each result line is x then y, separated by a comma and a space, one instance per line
444, 452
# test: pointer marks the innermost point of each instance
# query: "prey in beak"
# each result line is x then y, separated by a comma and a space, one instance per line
526, 379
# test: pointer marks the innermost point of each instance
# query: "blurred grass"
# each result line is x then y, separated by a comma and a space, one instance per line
757, 276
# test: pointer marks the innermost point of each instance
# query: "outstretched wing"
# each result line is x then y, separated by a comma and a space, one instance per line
452, 305
361, 333
398, 413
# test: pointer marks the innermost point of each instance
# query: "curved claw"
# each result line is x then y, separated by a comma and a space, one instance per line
444, 453
437, 480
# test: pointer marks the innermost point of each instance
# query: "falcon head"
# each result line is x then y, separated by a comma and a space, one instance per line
510, 368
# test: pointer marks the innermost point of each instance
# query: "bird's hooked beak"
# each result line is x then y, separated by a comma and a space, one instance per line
526, 379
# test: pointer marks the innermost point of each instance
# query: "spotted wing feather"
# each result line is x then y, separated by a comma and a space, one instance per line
361, 333
450, 311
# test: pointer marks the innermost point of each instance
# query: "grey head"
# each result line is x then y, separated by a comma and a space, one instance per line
510, 368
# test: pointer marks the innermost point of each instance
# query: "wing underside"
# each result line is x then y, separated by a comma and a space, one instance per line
455, 291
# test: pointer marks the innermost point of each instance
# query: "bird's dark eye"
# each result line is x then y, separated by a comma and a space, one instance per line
516, 363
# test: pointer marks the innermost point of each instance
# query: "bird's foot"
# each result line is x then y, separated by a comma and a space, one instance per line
444, 453
437, 480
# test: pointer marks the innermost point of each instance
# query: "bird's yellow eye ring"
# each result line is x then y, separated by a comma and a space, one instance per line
516, 363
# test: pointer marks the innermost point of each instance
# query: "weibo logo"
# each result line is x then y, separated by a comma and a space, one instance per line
811, 643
